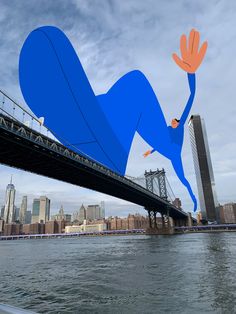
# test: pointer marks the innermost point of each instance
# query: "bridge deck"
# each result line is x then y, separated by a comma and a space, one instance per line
25, 148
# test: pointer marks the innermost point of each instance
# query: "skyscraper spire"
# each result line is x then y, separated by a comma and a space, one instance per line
61, 211
9, 210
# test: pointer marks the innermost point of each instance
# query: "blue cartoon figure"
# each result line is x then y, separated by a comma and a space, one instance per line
55, 86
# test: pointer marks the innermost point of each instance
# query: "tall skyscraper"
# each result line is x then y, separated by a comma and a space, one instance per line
203, 168
9, 210
23, 209
82, 213
44, 209
35, 211
41, 210
2, 211
17, 213
93, 212
102, 213
75, 216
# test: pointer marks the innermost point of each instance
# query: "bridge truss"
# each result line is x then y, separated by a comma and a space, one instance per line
27, 144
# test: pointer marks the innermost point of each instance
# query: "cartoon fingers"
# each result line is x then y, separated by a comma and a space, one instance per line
191, 55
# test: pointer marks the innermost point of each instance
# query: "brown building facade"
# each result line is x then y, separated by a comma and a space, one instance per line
131, 222
12, 229
229, 213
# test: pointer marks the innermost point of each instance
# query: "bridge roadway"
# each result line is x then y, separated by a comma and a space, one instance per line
24, 148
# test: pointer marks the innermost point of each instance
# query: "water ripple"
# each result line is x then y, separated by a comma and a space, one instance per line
192, 273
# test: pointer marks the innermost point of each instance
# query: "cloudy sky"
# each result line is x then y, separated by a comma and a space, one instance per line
113, 37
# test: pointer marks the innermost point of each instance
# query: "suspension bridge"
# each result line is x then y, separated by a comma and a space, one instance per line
26, 143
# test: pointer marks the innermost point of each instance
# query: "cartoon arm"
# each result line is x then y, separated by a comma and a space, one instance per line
191, 60
148, 152
192, 86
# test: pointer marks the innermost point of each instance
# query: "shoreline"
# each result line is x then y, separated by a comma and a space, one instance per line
102, 234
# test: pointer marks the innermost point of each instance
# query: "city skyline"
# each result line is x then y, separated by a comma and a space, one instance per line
109, 48
35, 206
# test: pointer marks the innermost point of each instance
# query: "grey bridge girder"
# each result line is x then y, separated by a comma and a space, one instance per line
27, 147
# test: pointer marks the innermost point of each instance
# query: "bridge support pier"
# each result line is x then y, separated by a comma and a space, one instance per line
152, 215
166, 226
188, 222
162, 220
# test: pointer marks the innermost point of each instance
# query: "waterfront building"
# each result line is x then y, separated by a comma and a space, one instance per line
26, 229
99, 227
61, 226
34, 228
221, 214
72, 229
16, 229
203, 168
51, 227
37, 228
12, 229
199, 218
94, 227
229, 213
23, 210
7, 229
9, 210
42, 228
28, 215
1, 226
136, 221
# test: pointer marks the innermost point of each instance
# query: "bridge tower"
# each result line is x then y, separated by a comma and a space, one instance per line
150, 176
160, 176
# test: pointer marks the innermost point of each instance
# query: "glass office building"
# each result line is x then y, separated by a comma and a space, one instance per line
203, 168
35, 211
9, 210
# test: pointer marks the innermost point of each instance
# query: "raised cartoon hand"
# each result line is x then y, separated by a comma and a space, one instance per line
148, 152
191, 57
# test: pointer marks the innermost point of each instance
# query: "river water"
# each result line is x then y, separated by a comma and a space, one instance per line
190, 273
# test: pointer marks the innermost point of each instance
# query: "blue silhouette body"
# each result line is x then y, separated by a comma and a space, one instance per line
54, 85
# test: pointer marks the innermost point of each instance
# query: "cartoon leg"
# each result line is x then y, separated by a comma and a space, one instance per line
55, 86
131, 105
178, 167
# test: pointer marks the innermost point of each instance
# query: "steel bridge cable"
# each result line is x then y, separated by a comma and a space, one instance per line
170, 187
142, 178
57, 137
137, 180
